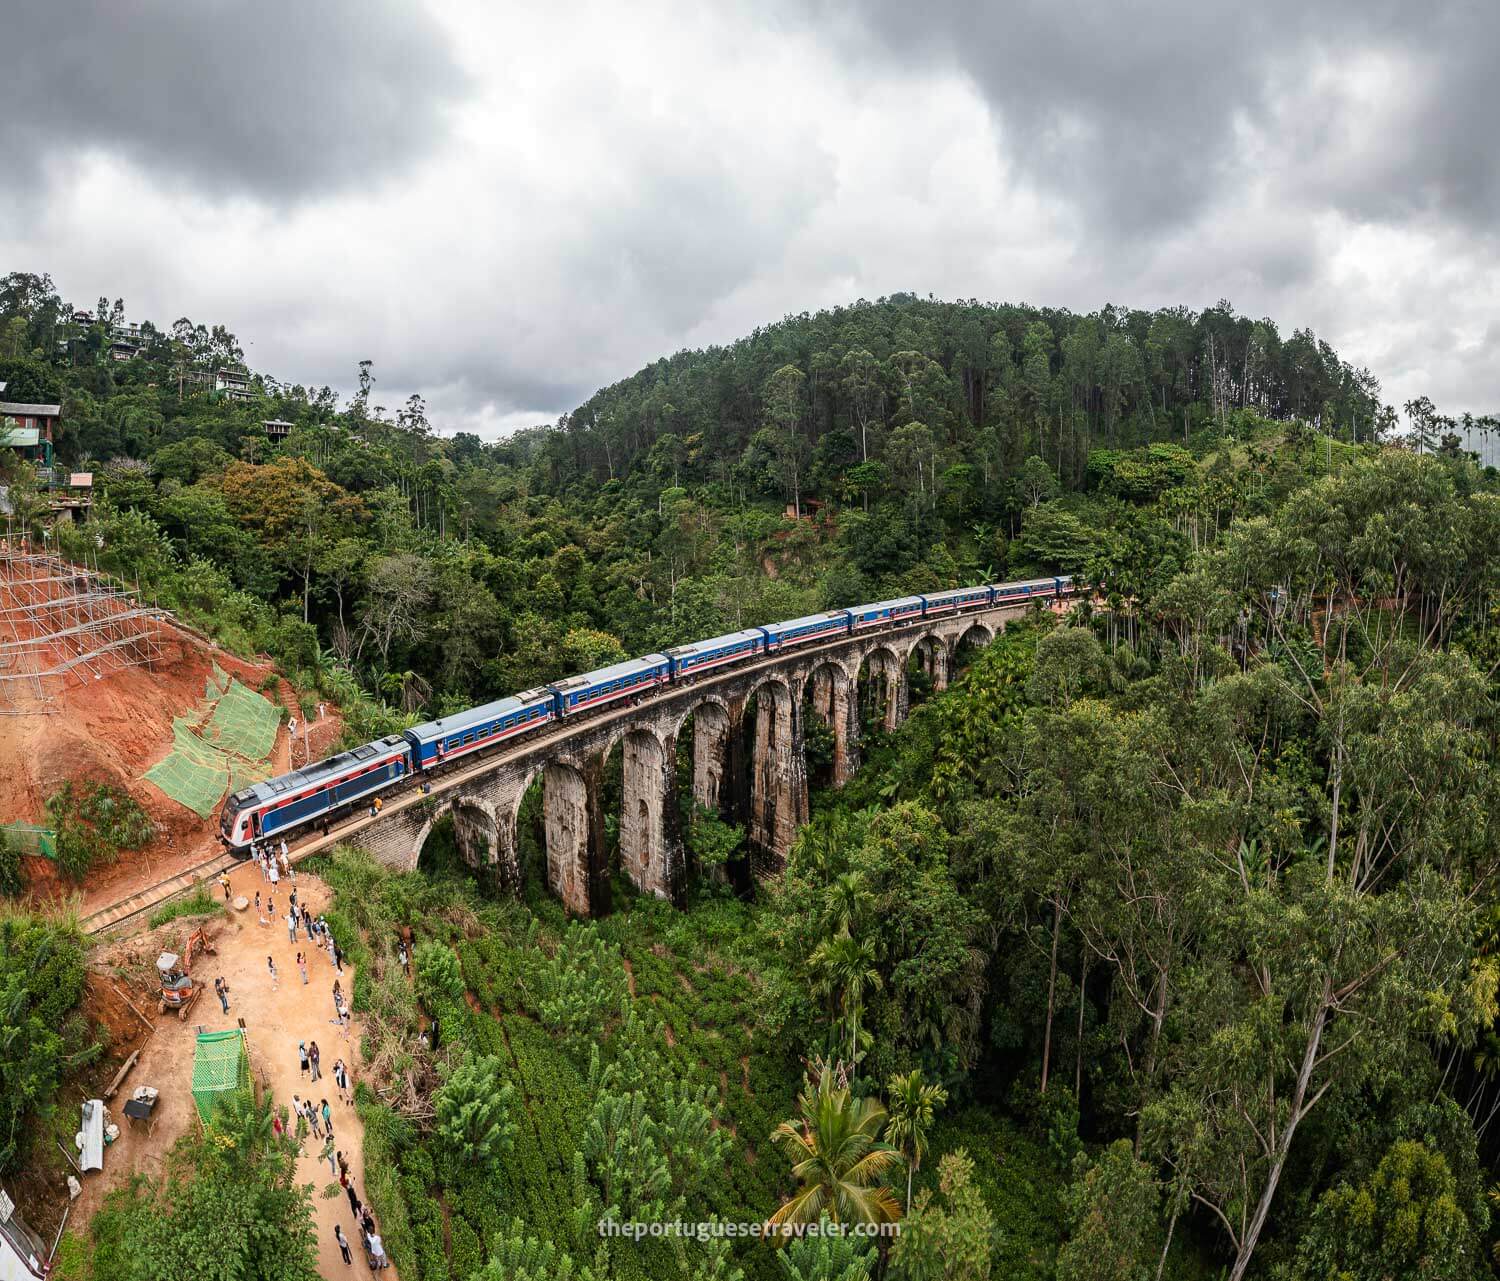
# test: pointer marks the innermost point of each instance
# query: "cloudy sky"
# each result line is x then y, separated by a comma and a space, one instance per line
507, 205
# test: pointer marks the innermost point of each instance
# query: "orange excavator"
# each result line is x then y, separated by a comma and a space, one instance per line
178, 991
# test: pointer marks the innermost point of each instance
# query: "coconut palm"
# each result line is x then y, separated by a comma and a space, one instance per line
838, 1157
912, 1105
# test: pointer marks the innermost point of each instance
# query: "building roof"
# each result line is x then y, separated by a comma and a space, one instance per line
274, 422
31, 411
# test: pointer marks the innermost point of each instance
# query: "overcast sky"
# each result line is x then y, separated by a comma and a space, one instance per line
506, 206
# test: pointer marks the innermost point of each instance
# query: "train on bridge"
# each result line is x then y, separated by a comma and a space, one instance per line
329, 788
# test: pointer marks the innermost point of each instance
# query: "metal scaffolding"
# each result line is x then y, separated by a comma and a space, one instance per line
61, 622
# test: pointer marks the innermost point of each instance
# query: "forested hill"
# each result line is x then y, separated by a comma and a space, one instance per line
820, 402
922, 444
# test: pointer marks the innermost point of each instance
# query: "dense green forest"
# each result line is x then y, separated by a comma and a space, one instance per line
1165, 943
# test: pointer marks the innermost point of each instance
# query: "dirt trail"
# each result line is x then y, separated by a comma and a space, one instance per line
275, 1019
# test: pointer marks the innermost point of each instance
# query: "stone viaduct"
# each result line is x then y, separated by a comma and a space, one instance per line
748, 765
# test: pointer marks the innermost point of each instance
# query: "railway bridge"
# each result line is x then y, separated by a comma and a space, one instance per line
746, 726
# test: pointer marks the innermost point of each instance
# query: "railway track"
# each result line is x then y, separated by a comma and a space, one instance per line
153, 896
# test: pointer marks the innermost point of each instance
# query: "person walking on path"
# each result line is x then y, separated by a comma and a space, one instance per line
327, 1118
307, 923
258, 910
314, 1057
224, 881
343, 1171
275, 874
338, 996
353, 1198
221, 990
291, 926
378, 1250
294, 900
338, 956
302, 966
327, 1155
302, 1056
338, 1235
341, 1079
271, 965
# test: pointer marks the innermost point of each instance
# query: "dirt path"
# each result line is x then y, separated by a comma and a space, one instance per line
275, 1020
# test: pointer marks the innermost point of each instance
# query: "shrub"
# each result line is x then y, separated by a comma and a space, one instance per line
473, 1112
438, 973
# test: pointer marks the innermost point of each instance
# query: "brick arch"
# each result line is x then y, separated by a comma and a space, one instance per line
489, 822
834, 703
565, 811
937, 657
886, 664
983, 631
695, 706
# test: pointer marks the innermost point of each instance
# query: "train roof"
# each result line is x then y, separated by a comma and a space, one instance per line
318, 770
477, 715
888, 604
809, 618
630, 667
718, 642
954, 591
1030, 582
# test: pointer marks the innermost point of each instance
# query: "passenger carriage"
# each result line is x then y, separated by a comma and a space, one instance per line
610, 684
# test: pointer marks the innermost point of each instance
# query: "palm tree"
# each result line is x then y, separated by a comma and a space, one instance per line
842, 968
838, 1157
848, 901
913, 1103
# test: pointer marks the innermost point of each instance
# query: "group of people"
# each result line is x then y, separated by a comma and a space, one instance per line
274, 860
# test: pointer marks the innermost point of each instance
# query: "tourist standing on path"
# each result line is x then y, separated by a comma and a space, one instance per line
221, 990
338, 1235
258, 909
291, 926
302, 1056
327, 1154
378, 1250
275, 874
224, 881
314, 1056
312, 1118
327, 1118
271, 965
338, 996
353, 1199
343, 1171
302, 966
307, 923
341, 1079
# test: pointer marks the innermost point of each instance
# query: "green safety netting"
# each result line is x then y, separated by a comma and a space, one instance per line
243, 722
193, 774
221, 1070
223, 744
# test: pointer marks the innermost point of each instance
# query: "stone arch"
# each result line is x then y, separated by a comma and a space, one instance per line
647, 776
882, 665
828, 691
567, 828
975, 636
712, 720
476, 830
931, 650
778, 772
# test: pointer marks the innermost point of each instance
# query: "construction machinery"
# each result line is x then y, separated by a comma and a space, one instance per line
178, 990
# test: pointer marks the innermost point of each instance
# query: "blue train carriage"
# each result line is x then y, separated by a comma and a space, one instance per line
1032, 589
803, 631
622, 680
479, 727
886, 613
701, 656
955, 600
281, 804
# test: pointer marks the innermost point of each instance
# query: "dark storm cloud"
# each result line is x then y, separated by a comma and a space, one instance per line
1136, 112
279, 99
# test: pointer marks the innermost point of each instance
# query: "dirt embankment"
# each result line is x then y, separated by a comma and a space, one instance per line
112, 730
